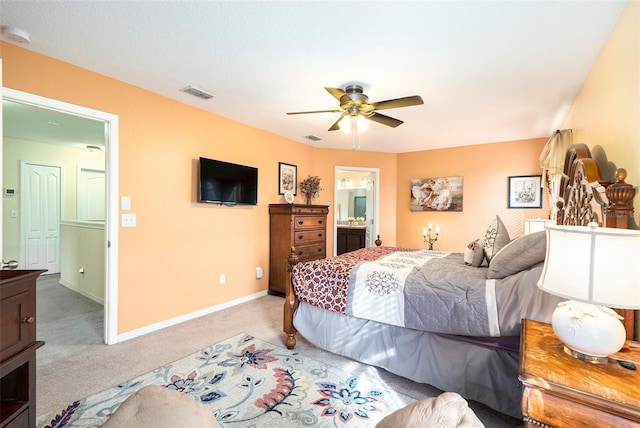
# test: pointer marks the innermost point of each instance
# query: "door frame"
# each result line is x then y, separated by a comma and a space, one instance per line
111, 214
375, 173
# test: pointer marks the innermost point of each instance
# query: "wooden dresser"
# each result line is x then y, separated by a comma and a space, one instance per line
302, 226
562, 391
18, 347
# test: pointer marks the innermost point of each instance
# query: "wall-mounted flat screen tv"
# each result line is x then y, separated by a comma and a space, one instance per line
227, 183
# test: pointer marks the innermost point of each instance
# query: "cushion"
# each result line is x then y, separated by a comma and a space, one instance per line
518, 255
156, 406
495, 238
474, 256
447, 410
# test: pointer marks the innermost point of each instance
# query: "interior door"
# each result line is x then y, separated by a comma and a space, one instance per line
91, 194
40, 196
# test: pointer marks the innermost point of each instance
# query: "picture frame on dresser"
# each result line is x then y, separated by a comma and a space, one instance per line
287, 178
525, 191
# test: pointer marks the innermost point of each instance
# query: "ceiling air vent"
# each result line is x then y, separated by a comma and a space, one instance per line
197, 92
312, 138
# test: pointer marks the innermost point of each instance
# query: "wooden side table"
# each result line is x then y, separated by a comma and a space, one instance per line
562, 391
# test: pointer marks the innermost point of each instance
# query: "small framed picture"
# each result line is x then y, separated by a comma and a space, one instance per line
287, 178
525, 191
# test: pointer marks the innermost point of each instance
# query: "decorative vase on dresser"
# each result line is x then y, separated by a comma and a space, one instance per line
302, 226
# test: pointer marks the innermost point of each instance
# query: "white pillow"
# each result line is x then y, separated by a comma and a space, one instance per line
474, 256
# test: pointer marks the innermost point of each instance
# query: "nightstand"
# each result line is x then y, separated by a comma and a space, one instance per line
561, 391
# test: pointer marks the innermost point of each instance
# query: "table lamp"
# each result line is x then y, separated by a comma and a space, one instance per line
597, 268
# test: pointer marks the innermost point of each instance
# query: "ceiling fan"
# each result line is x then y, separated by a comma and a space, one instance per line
354, 103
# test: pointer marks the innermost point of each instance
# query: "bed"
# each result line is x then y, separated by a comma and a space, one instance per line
445, 319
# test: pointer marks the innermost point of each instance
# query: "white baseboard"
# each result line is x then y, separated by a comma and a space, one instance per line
72, 287
187, 317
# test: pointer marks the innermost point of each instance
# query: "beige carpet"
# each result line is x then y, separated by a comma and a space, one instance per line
77, 364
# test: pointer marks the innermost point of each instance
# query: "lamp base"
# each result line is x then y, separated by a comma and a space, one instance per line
589, 333
593, 359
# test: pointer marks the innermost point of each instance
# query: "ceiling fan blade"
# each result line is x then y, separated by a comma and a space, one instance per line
336, 124
316, 111
385, 120
336, 92
398, 102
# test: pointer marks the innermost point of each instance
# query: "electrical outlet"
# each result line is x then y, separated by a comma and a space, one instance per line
258, 272
223, 278
128, 220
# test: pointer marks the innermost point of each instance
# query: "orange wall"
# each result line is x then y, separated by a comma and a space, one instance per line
485, 169
169, 264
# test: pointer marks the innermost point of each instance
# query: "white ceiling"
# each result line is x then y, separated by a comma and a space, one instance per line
488, 71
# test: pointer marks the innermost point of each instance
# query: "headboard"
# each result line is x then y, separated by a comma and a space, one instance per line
585, 196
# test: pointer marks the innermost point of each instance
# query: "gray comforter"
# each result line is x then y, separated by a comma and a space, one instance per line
443, 295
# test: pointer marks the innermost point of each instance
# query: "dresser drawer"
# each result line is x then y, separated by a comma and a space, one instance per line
17, 315
310, 209
309, 222
304, 237
311, 252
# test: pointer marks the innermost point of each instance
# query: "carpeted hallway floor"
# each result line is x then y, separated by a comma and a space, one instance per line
75, 363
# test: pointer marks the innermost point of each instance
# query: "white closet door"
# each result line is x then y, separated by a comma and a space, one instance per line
41, 192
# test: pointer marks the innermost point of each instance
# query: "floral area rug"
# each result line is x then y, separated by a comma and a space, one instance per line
247, 382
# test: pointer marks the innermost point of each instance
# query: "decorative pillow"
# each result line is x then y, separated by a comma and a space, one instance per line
156, 406
495, 238
447, 410
518, 255
474, 256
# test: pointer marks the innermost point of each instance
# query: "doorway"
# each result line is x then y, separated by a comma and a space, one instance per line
110, 126
356, 201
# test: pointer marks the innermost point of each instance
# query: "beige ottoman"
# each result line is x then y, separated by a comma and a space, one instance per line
447, 410
156, 406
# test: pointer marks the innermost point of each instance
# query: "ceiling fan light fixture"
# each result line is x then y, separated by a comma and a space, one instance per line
353, 123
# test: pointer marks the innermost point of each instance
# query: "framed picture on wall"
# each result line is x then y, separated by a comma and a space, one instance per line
525, 191
287, 178
436, 194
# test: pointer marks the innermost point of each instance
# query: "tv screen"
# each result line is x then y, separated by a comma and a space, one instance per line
227, 183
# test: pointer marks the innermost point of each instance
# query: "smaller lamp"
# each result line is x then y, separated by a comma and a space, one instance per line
426, 235
596, 268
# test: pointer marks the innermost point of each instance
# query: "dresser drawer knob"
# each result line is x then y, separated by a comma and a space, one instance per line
300, 253
319, 250
300, 222
319, 235
28, 320
300, 237
320, 222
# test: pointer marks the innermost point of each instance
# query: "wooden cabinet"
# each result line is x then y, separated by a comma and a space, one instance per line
561, 391
302, 226
18, 347
350, 239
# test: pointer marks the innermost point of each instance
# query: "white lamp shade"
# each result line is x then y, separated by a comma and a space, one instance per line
590, 264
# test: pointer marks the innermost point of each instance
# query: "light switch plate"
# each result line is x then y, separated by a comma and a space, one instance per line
125, 203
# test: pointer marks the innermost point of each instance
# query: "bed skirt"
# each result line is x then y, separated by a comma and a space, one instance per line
479, 373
